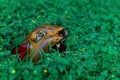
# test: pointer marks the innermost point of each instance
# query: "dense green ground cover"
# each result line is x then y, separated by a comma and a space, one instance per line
93, 43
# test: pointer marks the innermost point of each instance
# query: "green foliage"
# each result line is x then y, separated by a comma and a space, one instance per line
93, 43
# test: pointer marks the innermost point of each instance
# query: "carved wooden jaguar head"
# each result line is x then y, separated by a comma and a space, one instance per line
40, 39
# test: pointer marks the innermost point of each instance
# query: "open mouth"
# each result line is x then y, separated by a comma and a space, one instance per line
60, 46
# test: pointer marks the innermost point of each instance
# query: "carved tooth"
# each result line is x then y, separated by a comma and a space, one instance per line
58, 45
62, 40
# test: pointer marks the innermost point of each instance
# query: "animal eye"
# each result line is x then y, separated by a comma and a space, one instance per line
40, 35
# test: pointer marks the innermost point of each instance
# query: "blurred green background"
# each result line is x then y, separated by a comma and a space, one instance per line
93, 42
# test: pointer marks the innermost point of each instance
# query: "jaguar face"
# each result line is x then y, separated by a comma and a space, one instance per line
39, 40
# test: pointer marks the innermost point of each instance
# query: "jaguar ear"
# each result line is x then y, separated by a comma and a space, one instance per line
21, 50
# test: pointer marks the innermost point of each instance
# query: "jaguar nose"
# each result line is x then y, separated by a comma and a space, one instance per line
59, 28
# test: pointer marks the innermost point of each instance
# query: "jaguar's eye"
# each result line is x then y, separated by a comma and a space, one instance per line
40, 35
